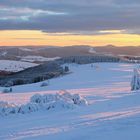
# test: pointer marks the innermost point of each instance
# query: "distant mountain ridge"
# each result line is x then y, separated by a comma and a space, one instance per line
15, 53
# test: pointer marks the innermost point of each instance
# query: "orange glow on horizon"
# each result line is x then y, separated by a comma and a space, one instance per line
38, 38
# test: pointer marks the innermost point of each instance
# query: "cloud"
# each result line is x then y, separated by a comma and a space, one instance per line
73, 16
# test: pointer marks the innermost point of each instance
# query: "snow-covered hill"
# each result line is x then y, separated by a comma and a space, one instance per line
14, 66
37, 59
113, 112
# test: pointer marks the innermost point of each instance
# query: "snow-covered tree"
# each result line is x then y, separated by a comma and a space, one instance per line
135, 83
66, 68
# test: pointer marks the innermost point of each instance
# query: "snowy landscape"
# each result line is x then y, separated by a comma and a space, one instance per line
94, 101
38, 58
15, 66
69, 70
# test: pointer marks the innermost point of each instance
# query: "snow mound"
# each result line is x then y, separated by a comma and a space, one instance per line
37, 102
135, 83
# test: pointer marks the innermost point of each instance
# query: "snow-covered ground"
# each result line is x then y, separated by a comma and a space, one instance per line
14, 66
26, 49
92, 50
37, 58
113, 112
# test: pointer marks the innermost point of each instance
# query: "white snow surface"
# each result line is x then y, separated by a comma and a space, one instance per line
26, 49
113, 111
15, 66
92, 50
38, 58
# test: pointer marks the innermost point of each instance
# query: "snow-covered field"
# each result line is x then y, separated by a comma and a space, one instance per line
113, 112
37, 58
14, 66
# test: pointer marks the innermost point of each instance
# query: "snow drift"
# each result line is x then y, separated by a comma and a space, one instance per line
135, 83
44, 102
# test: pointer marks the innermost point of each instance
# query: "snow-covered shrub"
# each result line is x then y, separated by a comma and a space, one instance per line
50, 98
2, 106
65, 100
76, 98
27, 108
135, 83
44, 84
11, 110
59, 104
37, 98
6, 90
6, 108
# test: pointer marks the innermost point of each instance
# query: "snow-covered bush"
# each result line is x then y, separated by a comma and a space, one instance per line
37, 98
62, 96
30, 107
76, 98
6, 108
6, 90
63, 100
135, 83
44, 84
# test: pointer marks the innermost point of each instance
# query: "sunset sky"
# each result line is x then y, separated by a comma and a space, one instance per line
65, 23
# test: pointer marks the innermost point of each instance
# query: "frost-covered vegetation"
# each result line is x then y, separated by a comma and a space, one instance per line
135, 83
44, 102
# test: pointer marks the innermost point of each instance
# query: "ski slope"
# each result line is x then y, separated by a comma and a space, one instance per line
113, 112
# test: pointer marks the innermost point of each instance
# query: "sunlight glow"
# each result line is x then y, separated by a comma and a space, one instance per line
38, 38
112, 31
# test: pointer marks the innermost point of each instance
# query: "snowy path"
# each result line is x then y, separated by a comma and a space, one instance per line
113, 113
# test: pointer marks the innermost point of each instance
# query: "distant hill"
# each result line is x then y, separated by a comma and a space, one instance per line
127, 50
15, 53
